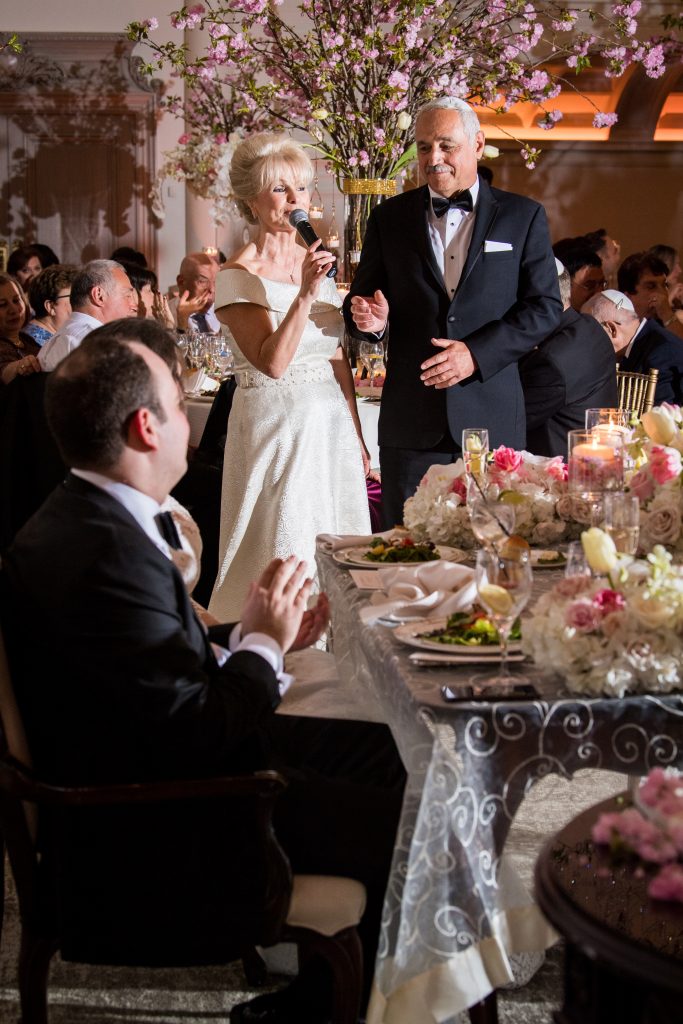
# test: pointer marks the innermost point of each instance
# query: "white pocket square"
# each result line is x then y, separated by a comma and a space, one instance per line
491, 246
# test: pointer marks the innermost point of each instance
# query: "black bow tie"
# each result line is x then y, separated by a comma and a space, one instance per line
168, 530
461, 201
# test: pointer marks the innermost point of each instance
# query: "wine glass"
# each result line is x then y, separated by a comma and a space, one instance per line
621, 520
225, 361
492, 522
371, 355
504, 587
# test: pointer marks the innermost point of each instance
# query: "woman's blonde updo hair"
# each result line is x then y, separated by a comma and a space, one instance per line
261, 160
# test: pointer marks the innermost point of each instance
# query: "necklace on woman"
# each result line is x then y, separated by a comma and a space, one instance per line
268, 259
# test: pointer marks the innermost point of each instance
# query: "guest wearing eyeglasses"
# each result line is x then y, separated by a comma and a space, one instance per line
50, 297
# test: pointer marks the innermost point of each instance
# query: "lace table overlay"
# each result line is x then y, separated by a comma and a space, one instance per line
457, 921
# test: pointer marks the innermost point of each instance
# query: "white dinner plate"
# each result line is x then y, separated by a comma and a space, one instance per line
557, 563
410, 634
357, 556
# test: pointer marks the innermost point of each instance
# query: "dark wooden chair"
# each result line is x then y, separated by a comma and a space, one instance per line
319, 914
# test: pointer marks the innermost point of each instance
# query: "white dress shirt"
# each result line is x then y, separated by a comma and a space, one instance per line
143, 509
450, 236
66, 340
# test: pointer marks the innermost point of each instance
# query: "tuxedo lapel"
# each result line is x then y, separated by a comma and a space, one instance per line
487, 210
422, 234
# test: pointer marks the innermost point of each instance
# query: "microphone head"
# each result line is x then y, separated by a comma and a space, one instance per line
297, 217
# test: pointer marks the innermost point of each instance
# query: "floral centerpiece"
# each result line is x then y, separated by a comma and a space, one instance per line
620, 630
652, 834
537, 488
351, 74
204, 164
658, 483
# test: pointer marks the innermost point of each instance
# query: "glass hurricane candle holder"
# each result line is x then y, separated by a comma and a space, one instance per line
595, 465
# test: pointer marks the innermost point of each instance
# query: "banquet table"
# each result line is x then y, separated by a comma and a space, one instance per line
198, 409
456, 918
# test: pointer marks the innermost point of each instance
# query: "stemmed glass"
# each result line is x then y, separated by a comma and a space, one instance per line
371, 356
492, 522
504, 587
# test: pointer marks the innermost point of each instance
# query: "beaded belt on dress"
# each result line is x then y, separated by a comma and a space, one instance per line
293, 375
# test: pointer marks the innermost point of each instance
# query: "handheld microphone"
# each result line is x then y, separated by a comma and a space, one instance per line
299, 220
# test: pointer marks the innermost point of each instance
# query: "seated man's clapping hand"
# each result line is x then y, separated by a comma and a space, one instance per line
313, 624
276, 602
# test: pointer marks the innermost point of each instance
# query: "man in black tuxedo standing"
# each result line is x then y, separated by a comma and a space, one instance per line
462, 268
125, 684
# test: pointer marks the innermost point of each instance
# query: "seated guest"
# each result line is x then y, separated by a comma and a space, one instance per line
50, 296
584, 267
571, 371
126, 685
100, 292
126, 254
193, 309
25, 264
18, 350
643, 278
151, 304
607, 249
640, 344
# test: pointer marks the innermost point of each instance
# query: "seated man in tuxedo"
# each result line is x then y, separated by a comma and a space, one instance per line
640, 345
125, 684
584, 267
571, 371
193, 309
644, 278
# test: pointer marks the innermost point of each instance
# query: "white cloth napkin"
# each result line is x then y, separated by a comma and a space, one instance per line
430, 590
336, 541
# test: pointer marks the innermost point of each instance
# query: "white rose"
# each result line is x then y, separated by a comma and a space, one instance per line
652, 612
659, 425
601, 553
663, 522
404, 121
490, 152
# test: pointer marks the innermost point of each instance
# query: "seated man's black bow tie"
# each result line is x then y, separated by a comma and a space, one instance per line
168, 530
461, 201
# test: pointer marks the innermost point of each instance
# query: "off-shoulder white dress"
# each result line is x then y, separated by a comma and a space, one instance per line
293, 465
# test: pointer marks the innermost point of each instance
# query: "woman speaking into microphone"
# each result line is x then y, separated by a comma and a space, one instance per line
295, 461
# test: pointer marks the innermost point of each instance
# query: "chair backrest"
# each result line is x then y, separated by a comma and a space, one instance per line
636, 390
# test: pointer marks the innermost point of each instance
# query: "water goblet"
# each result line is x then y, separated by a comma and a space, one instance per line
371, 355
492, 522
577, 564
504, 587
621, 520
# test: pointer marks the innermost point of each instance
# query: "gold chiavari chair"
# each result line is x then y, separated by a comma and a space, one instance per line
636, 390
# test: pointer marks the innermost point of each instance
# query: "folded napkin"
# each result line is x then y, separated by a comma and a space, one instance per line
430, 590
336, 541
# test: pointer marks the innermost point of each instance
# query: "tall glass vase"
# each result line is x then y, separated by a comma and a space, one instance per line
361, 196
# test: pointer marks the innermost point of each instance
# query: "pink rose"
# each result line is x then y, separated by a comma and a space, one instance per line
609, 601
667, 884
665, 463
558, 469
583, 616
183, 139
507, 459
642, 485
459, 488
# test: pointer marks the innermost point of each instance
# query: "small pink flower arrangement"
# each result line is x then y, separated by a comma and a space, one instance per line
507, 459
654, 834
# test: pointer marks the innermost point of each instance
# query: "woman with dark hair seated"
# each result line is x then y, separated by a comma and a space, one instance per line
18, 351
50, 296
150, 302
25, 263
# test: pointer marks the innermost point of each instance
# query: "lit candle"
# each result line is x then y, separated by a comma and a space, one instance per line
594, 451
